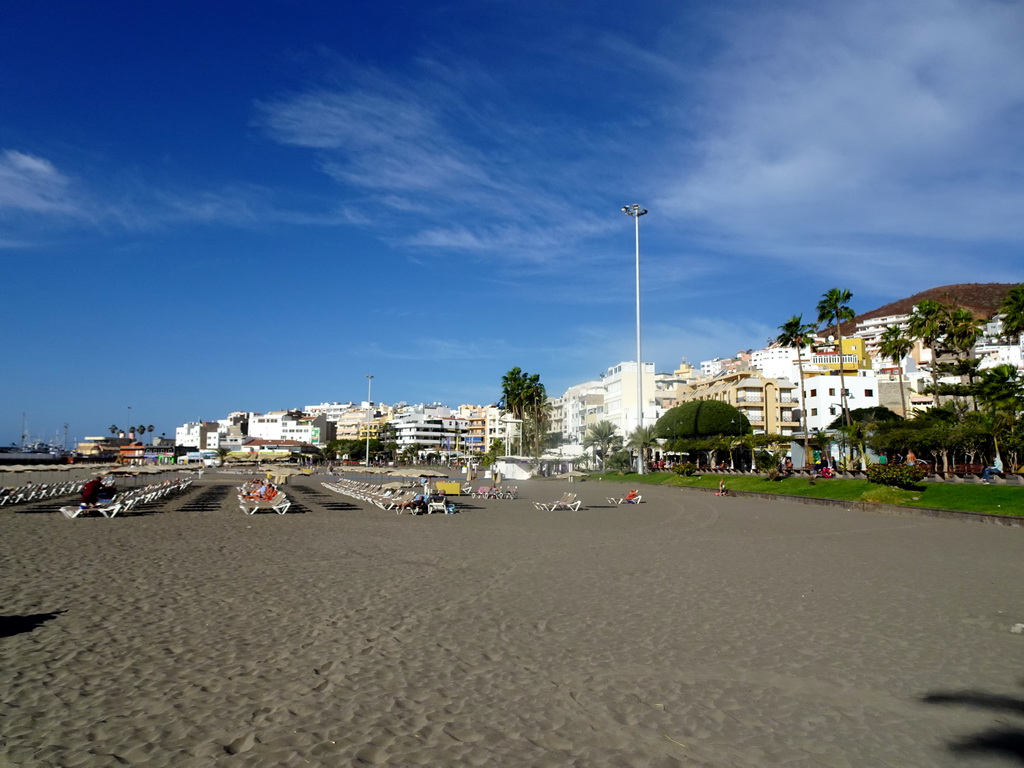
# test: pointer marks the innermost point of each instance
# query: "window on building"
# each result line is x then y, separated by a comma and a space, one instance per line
814, 393
814, 411
831, 391
869, 393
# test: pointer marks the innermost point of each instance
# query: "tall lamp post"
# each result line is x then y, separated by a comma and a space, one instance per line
369, 388
636, 212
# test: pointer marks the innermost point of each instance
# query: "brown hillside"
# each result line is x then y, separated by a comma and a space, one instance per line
983, 299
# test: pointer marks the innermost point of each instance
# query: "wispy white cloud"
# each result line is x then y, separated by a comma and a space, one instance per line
434, 148
847, 121
31, 183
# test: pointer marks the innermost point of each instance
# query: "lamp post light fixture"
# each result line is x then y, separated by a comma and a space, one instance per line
369, 389
636, 212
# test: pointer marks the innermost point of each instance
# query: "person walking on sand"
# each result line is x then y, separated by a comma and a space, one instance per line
721, 487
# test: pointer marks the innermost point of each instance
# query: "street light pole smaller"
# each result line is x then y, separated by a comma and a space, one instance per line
636, 212
369, 389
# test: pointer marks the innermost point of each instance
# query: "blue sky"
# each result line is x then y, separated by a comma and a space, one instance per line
205, 209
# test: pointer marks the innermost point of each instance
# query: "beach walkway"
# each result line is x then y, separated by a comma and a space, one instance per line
690, 630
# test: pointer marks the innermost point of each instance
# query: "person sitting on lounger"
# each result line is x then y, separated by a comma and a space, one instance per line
91, 492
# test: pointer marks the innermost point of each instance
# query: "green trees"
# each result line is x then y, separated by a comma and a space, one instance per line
927, 323
1012, 310
795, 333
706, 426
494, 451
896, 346
835, 307
525, 399
701, 418
863, 423
604, 438
1001, 394
642, 439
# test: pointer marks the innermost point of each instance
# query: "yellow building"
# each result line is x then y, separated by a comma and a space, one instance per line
826, 358
769, 404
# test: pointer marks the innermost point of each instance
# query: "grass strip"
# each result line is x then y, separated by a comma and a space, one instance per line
987, 499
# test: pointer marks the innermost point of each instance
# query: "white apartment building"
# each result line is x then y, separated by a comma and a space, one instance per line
871, 331
824, 401
333, 411
711, 368
994, 350
620, 397
581, 406
778, 362
201, 435
291, 425
435, 429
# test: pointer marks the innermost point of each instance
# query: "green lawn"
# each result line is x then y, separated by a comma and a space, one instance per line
991, 499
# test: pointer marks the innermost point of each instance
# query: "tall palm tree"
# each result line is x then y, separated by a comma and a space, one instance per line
1012, 310
795, 333
927, 322
962, 332
896, 346
114, 429
643, 439
604, 437
834, 307
1001, 392
525, 398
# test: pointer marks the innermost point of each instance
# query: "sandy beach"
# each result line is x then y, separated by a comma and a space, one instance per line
690, 630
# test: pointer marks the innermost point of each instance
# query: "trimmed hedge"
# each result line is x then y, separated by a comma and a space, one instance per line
896, 475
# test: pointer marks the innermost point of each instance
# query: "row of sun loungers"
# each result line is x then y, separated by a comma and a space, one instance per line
492, 492
374, 493
26, 493
390, 498
126, 501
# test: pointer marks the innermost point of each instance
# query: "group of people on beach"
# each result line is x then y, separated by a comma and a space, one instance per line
259, 489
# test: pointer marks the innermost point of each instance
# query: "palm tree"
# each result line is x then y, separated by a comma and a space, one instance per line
114, 429
834, 307
1012, 310
927, 322
795, 334
962, 332
604, 437
525, 398
642, 439
1001, 392
896, 346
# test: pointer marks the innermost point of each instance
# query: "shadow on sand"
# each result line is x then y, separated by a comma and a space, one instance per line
1006, 740
15, 625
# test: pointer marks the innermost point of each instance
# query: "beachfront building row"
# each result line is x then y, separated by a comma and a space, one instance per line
764, 384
